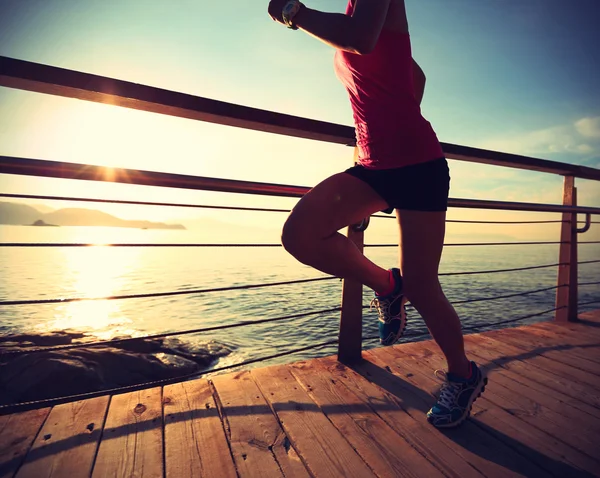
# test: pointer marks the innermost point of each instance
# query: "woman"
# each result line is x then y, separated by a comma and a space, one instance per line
402, 167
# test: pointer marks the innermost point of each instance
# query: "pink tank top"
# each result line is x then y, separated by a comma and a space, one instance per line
390, 129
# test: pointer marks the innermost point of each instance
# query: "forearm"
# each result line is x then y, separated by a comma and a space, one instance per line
334, 29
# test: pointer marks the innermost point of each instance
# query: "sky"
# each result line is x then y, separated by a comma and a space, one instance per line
519, 76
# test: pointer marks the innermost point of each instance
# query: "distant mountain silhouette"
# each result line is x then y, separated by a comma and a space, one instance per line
39, 222
22, 214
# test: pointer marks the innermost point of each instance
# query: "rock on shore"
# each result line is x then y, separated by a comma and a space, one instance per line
50, 374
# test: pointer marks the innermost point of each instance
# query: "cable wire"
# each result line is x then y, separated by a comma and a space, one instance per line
590, 302
130, 388
164, 335
493, 271
460, 221
201, 291
61, 244
141, 203
506, 296
473, 327
160, 294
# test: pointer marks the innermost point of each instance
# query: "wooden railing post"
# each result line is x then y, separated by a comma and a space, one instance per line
350, 339
566, 294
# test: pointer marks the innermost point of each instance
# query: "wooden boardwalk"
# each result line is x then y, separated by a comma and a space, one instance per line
539, 416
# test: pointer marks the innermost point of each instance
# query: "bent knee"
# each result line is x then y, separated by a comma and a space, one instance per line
295, 236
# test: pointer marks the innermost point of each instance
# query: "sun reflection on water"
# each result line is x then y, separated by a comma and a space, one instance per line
95, 272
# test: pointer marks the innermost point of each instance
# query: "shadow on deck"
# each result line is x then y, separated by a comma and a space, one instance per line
539, 416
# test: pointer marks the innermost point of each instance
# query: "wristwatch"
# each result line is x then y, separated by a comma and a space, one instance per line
290, 10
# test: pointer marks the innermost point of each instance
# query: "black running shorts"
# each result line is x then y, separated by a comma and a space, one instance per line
419, 187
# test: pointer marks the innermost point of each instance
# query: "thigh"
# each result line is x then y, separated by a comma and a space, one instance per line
336, 202
421, 244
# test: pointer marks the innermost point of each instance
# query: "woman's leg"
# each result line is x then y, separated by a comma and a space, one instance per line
421, 243
310, 232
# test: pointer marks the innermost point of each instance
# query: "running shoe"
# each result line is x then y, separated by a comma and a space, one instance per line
456, 397
391, 312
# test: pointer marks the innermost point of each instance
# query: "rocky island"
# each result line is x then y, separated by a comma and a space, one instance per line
17, 214
40, 222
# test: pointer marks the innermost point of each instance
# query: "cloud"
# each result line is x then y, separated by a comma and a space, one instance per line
579, 138
589, 127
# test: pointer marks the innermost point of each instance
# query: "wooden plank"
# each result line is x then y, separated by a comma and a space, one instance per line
564, 334
17, 433
577, 331
587, 329
483, 449
592, 315
321, 446
67, 443
534, 413
530, 357
403, 409
476, 448
386, 452
195, 443
551, 406
554, 397
531, 342
581, 344
537, 446
493, 351
258, 444
132, 438
573, 346
588, 323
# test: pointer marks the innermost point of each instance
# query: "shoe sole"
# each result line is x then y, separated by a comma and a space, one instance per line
478, 391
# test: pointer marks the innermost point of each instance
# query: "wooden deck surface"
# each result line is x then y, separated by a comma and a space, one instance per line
539, 417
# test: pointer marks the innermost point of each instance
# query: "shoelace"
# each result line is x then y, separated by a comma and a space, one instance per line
383, 308
448, 390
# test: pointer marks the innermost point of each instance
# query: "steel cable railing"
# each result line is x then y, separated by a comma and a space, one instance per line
497, 297
243, 208
248, 286
142, 203
14, 407
234, 208
104, 343
73, 84
461, 221
164, 294
493, 243
480, 326
229, 326
78, 244
235, 325
241, 324
507, 296
589, 302
497, 271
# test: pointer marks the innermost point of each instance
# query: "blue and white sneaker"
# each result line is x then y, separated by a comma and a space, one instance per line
391, 311
456, 398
